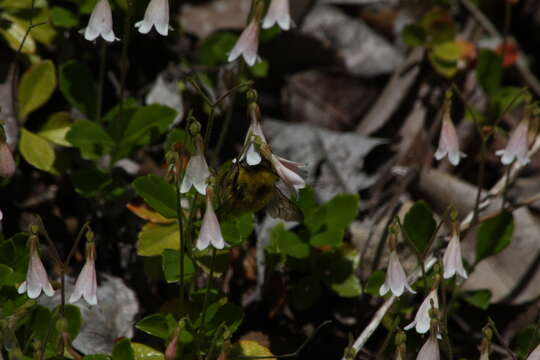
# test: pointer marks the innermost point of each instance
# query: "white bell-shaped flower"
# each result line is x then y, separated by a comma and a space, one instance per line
396, 280
157, 15
517, 147
210, 233
278, 13
422, 320
36, 276
100, 23
247, 44
86, 284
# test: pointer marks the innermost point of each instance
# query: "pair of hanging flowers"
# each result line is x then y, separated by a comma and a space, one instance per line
517, 147
38, 281
248, 42
101, 23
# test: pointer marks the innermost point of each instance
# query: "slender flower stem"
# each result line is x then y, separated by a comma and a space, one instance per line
181, 240
124, 64
480, 181
501, 340
418, 255
200, 331
101, 80
506, 185
226, 124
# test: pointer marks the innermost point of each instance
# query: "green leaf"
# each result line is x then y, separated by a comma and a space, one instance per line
288, 243
419, 225
489, 70
444, 68
122, 350
330, 237
91, 182
13, 31
305, 292
155, 325
157, 193
238, 229
349, 288
39, 322
144, 352
307, 201
414, 35
90, 138
494, 235
230, 314
36, 87
215, 48
78, 87
6, 274
148, 123
74, 320
336, 269
260, 69
507, 99
447, 52
374, 283
37, 151
62, 17
154, 239
341, 211
171, 266
56, 128
479, 298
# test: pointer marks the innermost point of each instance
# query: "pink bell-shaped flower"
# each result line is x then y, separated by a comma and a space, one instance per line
7, 164
430, 349
197, 172
100, 23
535, 355
449, 143
86, 284
247, 44
452, 261
36, 276
422, 320
396, 280
157, 15
518, 146
278, 13
210, 233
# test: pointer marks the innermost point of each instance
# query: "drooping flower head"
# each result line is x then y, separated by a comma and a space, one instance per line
518, 145
86, 284
157, 15
278, 12
452, 261
422, 320
210, 233
448, 141
100, 23
7, 164
535, 355
430, 349
197, 172
257, 148
36, 276
247, 44
396, 280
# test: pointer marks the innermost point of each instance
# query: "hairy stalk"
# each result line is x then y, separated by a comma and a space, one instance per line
501, 340
417, 254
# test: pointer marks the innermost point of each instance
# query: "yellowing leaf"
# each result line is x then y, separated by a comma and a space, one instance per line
144, 352
14, 32
56, 128
36, 87
249, 348
153, 239
37, 151
144, 212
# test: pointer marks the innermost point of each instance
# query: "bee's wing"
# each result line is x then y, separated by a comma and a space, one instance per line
281, 207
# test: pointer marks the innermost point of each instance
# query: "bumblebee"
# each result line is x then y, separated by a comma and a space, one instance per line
243, 188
